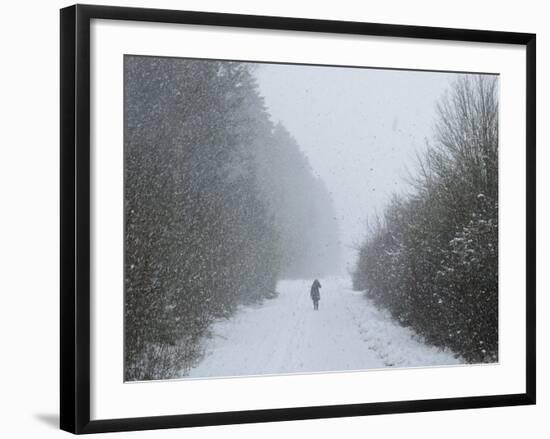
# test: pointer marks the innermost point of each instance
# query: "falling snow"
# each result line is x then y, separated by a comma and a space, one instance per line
227, 223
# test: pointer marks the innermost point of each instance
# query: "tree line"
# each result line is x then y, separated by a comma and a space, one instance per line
219, 204
431, 258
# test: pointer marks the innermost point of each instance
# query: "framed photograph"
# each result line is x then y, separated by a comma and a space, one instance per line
268, 218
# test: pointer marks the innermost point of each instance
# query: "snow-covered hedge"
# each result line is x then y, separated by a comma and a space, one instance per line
432, 259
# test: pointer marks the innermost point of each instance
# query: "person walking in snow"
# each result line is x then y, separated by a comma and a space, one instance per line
315, 295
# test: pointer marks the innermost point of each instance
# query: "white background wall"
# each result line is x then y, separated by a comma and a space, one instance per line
29, 249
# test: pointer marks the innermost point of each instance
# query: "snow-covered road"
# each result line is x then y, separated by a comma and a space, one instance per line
285, 335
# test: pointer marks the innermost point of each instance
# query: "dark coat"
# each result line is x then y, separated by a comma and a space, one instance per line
315, 295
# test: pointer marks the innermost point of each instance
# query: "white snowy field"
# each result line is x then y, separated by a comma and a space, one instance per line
285, 335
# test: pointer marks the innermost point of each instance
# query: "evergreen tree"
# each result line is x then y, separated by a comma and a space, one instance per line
207, 199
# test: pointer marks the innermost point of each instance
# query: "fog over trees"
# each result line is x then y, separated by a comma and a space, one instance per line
219, 205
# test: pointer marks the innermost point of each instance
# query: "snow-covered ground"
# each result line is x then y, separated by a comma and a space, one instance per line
285, 335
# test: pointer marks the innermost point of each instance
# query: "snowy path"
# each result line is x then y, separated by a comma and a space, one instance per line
285, 335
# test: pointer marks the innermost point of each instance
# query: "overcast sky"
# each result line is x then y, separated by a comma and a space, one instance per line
360, 129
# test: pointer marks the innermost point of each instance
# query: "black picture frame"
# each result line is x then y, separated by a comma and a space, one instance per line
75, 217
